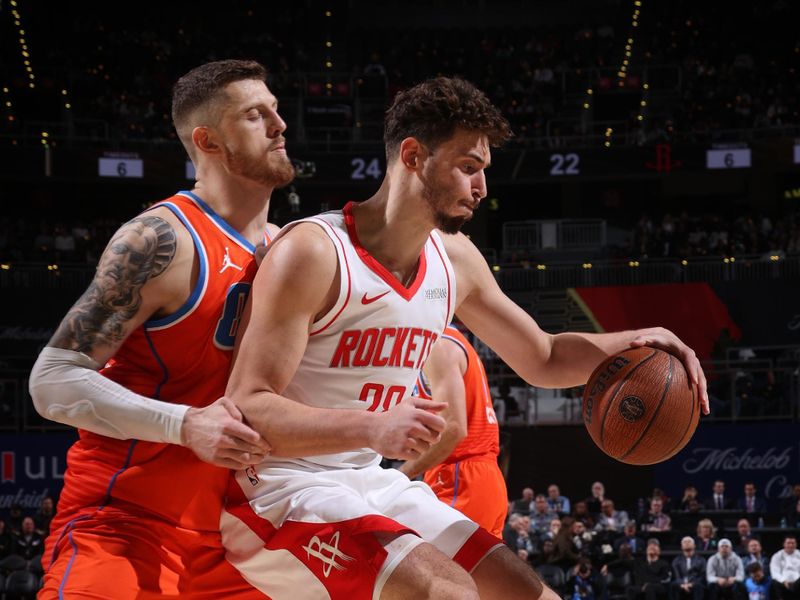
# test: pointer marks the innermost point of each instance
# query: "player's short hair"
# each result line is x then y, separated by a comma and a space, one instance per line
201, 86
433, 110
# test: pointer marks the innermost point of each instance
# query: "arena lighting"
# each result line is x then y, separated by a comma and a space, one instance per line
587, 265
23, 45
5, 267
8, 104
495, 268
541, 267
774, 258
684, 262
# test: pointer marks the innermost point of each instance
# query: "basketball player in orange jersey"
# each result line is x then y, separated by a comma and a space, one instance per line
462, 467
140, 363
344, 311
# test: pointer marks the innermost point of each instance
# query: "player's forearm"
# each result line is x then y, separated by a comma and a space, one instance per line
573, 356
435, 455
295, 430
66, 387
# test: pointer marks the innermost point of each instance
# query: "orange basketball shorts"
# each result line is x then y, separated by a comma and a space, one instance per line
476, 488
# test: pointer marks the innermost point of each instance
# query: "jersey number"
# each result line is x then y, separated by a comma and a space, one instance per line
381, 398
228, 325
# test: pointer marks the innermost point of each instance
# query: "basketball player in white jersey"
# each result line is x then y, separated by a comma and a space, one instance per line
344, 310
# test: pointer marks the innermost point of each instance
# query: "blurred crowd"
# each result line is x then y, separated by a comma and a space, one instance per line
718, 70
720, 545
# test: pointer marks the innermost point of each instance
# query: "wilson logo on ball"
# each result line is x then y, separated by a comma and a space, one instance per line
631, 408
598, 386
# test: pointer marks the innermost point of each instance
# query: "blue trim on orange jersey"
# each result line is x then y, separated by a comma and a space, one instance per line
68, 528
164, 370
455, 485
69, 567
201, 278
220, 221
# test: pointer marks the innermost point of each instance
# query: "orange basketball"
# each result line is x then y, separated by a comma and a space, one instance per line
639, 406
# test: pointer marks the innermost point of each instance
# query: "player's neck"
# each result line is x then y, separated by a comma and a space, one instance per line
243, 204
392, 233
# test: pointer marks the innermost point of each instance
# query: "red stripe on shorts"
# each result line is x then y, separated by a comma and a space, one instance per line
475, 548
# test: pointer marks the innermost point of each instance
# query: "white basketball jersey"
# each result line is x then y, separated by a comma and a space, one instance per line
366, 352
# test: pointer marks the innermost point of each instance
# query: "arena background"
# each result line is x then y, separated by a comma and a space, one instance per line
654, 180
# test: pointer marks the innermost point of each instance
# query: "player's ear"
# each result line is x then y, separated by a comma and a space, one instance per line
412, 153
204, 140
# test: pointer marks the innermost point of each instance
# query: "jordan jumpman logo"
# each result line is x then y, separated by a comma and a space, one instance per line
227, 262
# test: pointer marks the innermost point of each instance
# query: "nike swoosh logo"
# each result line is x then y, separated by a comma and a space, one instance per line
365, 300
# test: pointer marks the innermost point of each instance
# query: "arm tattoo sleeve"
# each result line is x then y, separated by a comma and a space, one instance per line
141, 249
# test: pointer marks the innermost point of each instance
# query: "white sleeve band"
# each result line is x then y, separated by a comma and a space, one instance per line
66, 387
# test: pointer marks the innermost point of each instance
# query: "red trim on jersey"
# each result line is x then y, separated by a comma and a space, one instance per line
477, 546
405, 292
347, 267
446, 272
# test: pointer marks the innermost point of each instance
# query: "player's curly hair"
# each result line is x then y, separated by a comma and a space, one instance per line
432, 111
202, 85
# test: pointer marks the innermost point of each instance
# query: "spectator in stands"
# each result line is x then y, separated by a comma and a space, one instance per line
657, 519
610, 520
557, 503
757, 583
6, 540
565, 553
751, 503
550, 534
651, 574
581, 513
541, 515
688, 573
523, 505
622, 564
629, 537
595, 501
515, 533
744, 534
789, 504
581, 538
28, 543
545, 554
784, 567
689, 494
725, 573
756, 555
43, 516
666, 501
64, 244
584, 584
793, 516
718, 500
15, 517
705, 537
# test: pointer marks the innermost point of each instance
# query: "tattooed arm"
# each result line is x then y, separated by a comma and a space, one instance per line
145, 271
116, 301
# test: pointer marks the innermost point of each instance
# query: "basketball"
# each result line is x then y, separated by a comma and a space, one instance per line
639, 406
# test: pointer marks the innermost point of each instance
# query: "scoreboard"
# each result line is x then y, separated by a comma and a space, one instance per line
161, 163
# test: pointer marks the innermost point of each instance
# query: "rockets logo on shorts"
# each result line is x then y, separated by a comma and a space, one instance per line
327, 553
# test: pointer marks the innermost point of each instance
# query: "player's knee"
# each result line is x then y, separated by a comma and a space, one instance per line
426, 573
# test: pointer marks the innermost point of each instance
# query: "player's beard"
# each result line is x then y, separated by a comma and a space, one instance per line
437, 198
275, 170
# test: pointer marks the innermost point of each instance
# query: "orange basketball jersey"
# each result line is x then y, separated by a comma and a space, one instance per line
483, 433
183, 358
